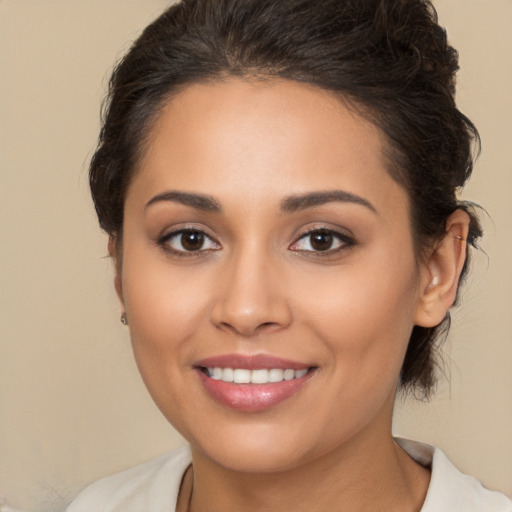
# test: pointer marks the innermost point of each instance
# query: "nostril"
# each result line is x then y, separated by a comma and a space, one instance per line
248, 328
268, 326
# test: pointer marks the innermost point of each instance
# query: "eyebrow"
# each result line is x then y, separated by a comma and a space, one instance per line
302, 202
290, 204
199, 201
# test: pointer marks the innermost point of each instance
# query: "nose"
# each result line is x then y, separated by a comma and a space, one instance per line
251, 296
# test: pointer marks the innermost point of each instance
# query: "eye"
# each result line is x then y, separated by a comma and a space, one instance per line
187, 241
322, 240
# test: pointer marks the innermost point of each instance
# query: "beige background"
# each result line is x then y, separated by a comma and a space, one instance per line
72, 405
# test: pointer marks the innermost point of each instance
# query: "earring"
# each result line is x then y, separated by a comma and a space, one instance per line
124, 318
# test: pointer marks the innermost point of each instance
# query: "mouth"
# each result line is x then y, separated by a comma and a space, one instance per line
253, 384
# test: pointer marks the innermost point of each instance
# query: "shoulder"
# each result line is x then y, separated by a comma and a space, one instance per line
152, 487
449, 489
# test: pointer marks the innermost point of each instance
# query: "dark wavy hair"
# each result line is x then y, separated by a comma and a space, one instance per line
389, 59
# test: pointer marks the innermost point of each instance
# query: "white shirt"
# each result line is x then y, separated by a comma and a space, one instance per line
154, 486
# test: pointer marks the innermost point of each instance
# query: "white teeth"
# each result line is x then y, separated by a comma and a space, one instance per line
227, 374
275, 375
289, 374
259, 376
242, 376
216, 373
300, 373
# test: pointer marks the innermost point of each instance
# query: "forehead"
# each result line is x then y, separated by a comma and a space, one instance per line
263, 138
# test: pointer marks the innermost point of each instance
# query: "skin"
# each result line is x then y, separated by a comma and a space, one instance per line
257, 287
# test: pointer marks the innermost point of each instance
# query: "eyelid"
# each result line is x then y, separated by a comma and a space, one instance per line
181, 227
163, 240
346, 241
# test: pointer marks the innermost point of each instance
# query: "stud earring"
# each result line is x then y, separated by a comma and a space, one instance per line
124, 318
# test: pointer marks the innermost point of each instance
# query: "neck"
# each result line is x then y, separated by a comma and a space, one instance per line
373, 473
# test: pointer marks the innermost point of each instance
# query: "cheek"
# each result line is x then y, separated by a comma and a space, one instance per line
364, 312
164, 304
364, 320
164, 309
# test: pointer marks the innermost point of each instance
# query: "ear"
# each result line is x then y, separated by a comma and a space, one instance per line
441, 272
113, 251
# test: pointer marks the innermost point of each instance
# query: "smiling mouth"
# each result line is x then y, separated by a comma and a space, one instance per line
253, 384
256, 376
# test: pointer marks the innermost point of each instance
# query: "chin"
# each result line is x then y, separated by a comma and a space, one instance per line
255, 458
248, 448
265, 447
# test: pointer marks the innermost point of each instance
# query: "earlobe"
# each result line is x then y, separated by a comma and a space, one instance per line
441, 272
113, 253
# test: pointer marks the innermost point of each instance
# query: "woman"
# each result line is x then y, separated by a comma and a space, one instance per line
278, 180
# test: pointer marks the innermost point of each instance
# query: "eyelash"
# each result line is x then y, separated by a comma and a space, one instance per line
164, 242
345, 242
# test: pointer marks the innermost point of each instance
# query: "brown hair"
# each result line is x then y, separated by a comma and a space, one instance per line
388, 58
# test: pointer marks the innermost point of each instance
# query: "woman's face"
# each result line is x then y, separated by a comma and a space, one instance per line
263, 233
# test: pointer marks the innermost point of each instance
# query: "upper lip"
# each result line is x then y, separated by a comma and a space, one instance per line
250, 362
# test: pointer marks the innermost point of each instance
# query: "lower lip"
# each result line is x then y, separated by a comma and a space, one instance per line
252, 397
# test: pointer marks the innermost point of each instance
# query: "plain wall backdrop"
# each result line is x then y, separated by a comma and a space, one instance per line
72, 406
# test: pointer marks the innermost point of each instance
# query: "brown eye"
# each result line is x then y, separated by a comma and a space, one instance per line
322, 240
192, 240
188, 240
